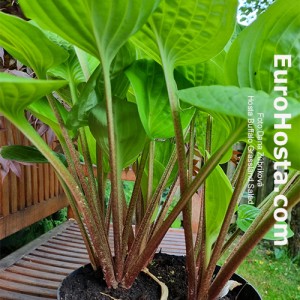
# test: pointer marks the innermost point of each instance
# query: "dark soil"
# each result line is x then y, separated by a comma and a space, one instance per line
85, 284
170, 269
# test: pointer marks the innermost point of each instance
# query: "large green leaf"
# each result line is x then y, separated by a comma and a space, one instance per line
188, 32
70, 20
218, 192
116, 20
250, 61
148, 82
29, 45
246, 216
100, 28
229, 104
17, 93
130, 136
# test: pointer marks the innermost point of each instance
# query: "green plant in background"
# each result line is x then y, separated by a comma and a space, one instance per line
134, 82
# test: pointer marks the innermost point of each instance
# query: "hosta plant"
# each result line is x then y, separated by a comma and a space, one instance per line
144, 83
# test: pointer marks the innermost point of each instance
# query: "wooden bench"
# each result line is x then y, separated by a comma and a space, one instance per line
35, 271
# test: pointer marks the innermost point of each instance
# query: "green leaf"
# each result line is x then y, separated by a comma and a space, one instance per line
71, 69
246, 216
17, 93
163, 152
115, 21
229, 104
206, 73
218, 192
29, 45
70, 20
235, 114
148, 82
99, 28
250, 61
188, 32
93, 91
90, 96
27, 154
292, 145
130, 136
42, 110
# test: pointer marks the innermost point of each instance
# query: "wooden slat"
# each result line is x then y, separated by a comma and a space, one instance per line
5, 199
22, 190
21, 278
46, 181
28, 289
63, 252
69, 242
8, 295
41, 180
74, 237
36, 274
62, 247
14, 193
29, 192
58, 257
44, 268
35, 188
51, 262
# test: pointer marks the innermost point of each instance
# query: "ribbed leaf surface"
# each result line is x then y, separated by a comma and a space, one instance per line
250, 61
98, 27
29, 44
188, 32
17, 93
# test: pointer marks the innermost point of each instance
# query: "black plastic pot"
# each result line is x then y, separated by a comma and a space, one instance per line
244, 292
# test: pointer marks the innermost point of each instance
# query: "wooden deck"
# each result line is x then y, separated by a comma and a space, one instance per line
36, 270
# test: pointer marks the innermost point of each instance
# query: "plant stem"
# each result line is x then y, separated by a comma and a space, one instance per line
146, 221
150, 174
224, 229
99, 238
117, 209
293, 196
183, 180
165, 207
201, 253
155, 240
89, 245
92, 188
101, 179
134, 198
